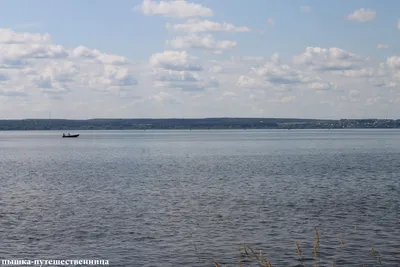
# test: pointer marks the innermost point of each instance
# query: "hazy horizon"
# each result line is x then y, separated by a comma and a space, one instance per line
200, 118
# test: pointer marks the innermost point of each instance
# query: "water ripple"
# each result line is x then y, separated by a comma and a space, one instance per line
178, 198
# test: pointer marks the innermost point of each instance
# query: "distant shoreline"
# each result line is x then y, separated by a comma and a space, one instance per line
194, 124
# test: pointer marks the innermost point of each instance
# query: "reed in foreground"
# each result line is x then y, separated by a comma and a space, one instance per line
250, 257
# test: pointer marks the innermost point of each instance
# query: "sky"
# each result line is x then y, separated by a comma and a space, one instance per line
199, 58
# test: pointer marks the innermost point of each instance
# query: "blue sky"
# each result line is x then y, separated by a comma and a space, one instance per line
114, 28
227, 85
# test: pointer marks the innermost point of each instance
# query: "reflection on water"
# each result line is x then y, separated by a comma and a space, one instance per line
187, 198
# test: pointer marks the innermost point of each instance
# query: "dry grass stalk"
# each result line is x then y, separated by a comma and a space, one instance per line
316, 245
316, 249
341, 240
316, 236
259, 257
263, 262
376, 255
245, 251
298, 248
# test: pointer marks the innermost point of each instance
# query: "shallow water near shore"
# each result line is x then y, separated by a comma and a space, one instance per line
188, 198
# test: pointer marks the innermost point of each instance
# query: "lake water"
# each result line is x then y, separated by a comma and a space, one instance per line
188, 198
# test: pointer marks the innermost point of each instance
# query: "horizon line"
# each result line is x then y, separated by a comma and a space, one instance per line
195, 118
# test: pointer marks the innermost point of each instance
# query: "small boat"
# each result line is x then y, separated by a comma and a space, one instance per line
70, 135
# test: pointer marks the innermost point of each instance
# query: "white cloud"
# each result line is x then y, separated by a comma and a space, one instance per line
173, 69
393, 62
200, 26
282, 100
205, 42
373, 100
50, 86
251, 82
174, 9
275, 72
329, 59
271, 22
382, 46
175, 60
364, 72
12, 94
176, 76
321, 85
229, 94
362, 15
354, 93
118, 76
93, 54
216, 69
38, 75
165, 98
183, 80
8, 36
35, 66
381, 83
17, 53
398, 24
306, 9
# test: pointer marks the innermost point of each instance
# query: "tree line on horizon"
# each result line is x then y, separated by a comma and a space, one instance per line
206, 123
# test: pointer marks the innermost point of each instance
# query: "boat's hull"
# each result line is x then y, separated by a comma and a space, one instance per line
70, 136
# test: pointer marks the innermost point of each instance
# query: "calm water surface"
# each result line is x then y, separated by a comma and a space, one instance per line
187, 198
